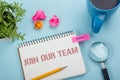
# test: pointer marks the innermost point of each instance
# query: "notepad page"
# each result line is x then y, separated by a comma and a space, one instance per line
43, 57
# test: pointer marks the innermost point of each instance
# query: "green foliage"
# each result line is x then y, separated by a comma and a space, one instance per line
10, 14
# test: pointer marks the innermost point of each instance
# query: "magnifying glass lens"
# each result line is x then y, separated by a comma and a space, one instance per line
99, 52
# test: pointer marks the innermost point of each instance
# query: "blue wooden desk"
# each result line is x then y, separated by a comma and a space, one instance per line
73, 15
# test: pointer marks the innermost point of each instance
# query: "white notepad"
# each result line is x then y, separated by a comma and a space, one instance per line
45, 54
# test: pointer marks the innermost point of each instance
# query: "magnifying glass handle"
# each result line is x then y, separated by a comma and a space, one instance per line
105, 72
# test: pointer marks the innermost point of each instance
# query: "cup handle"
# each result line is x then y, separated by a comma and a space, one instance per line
97, 22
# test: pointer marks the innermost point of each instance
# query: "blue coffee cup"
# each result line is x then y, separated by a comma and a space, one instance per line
100, 15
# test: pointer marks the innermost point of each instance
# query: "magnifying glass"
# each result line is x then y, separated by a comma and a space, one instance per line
99, 52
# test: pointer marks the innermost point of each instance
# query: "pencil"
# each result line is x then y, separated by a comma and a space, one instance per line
49, 73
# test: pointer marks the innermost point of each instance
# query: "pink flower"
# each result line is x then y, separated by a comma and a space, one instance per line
39, 15
54, 21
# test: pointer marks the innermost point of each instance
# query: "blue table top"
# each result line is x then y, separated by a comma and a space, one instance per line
73, 15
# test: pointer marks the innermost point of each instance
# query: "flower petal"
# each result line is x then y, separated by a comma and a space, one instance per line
39, 15
38, 24
54, 21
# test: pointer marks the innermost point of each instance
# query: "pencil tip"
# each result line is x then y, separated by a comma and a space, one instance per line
64, 67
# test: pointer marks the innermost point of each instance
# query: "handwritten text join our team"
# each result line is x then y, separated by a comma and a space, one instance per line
50, 56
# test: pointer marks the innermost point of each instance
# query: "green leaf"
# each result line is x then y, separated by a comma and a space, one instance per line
10, 14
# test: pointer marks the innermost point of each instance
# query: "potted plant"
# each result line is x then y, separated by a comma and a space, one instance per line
10, 15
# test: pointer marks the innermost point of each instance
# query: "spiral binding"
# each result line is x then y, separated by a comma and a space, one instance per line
44, 39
